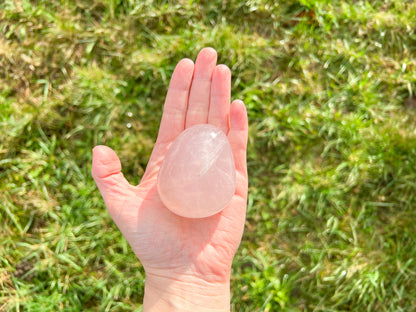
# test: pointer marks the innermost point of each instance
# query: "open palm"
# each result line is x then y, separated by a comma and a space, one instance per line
167, 244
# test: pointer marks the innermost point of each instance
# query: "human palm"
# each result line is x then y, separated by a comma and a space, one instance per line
169, 245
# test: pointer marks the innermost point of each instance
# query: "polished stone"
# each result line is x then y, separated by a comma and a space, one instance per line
197, 176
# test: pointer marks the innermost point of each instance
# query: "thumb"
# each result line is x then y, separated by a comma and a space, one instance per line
106, 171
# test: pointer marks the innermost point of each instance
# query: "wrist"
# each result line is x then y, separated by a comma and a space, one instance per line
185, 293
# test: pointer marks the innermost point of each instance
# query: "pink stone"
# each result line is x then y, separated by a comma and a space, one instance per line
197, 176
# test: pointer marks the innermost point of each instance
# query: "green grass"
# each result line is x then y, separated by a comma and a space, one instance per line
330, 88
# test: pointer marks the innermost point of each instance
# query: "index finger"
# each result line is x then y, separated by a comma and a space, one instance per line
176, 103
174, 112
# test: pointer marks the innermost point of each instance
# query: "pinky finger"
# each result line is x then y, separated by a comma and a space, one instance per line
237, 136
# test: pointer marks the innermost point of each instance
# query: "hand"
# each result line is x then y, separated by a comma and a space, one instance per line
187, 261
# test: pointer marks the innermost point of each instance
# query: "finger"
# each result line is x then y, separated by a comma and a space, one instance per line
199, 96
237, 136
174, 113
219, 108
106, 171
174, 110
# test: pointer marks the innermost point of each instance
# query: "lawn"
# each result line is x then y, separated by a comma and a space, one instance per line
330, 88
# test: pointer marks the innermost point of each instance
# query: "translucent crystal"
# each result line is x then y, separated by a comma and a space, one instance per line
197, 176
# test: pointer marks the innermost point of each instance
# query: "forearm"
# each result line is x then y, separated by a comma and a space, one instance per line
185, 294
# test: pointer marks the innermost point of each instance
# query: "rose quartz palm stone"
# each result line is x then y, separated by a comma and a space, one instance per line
197, 176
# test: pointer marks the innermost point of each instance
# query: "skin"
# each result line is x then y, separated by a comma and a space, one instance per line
187, 261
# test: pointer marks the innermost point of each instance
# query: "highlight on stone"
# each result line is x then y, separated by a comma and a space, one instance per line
197, 176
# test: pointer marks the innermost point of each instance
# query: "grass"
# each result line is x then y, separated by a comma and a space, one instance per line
330, 91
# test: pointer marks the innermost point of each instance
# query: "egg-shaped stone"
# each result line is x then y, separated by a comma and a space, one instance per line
197, 176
